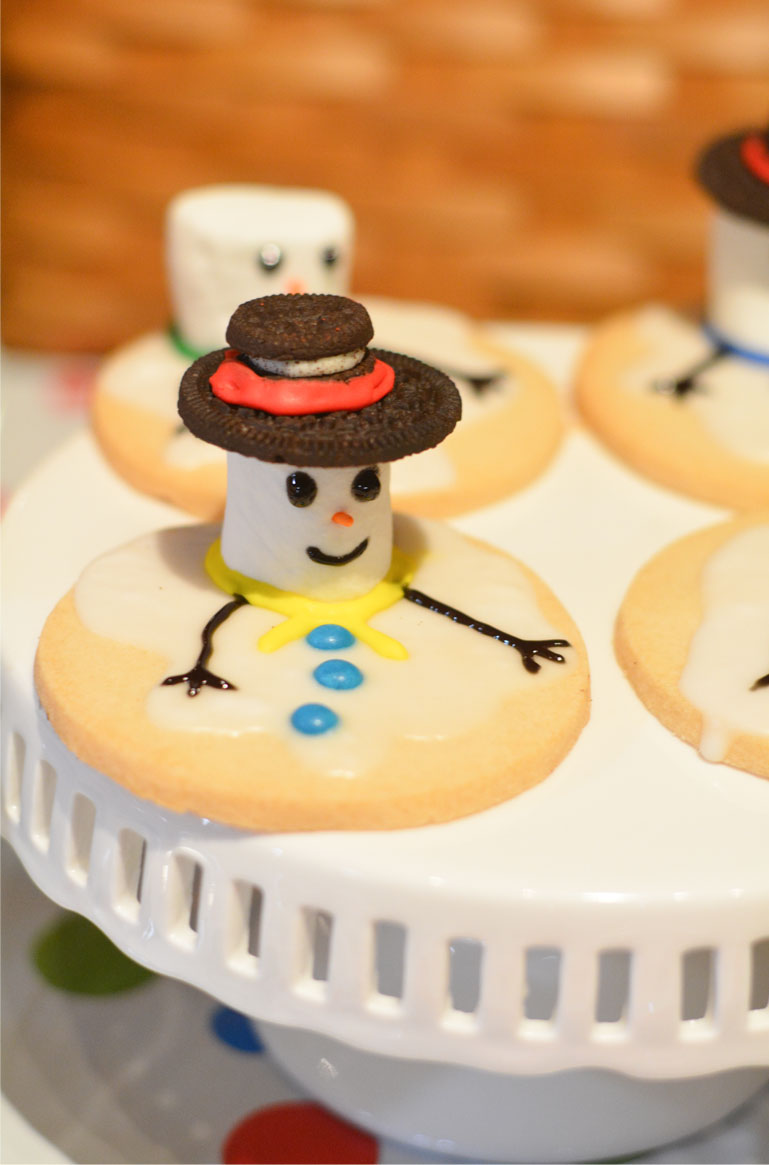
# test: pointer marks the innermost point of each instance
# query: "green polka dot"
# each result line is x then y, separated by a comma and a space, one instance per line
74, 955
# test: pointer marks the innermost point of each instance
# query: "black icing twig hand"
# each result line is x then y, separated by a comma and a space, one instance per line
199, 676
762, 683
528, 649
479, 384
682, 385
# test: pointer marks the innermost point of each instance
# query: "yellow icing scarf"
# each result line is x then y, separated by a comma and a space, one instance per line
304, 614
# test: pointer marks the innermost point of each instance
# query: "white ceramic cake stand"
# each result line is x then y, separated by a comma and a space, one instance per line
581, 972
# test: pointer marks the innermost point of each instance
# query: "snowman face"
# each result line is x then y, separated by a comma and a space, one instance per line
738, 281
229, 244
324, 533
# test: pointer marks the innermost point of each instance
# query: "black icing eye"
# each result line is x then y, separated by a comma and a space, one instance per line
331, 255
270, 257
366, 486
301, 489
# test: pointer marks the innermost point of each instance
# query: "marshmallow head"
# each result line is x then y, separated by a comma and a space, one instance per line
738, 281
323, 533
229, 244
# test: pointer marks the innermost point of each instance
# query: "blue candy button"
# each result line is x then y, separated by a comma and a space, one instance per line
338, 673
313, 719
330, 637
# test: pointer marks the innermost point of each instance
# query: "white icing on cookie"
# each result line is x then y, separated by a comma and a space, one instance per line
732, 400
738, 281
730, 649
426, 472
447, 339
154, 593
264, 536
229, 244
146, 373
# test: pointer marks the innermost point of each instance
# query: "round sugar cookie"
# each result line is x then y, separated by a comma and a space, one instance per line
709, 437
512, 418
324, 732
692, 636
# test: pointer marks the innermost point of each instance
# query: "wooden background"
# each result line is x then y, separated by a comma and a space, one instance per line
516, 158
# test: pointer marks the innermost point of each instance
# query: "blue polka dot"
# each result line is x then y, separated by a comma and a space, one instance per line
313, 719
236, 1030
338, 673
330, 637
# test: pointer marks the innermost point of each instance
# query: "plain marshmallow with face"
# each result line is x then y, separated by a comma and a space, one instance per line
228, 244
738, 281
276, 513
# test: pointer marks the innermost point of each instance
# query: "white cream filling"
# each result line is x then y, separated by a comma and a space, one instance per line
730, 649
155, 594
322, 366
733, 397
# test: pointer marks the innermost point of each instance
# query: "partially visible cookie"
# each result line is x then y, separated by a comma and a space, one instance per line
657, 390
512, 418
512, 422
692, 636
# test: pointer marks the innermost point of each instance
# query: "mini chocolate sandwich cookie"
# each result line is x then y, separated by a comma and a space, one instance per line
238, 672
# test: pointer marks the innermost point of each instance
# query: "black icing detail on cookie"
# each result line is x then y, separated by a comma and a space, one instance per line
721, 169
688, 382
299, 327
419, 412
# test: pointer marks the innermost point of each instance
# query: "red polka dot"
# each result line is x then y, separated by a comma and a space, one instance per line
297, 1134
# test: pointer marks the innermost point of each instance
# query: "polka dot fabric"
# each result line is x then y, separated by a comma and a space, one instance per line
286, 1133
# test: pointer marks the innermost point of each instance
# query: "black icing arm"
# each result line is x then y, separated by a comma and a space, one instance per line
762, 683
528, 649
199, 676
687, 382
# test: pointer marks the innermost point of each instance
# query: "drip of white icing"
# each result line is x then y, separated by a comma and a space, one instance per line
733, 397
730, 649
264, 536
154, 593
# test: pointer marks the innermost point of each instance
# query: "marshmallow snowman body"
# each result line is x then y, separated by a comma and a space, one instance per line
322, 533
738, 281
231, 243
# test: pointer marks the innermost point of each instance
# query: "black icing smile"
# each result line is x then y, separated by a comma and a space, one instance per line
317, 555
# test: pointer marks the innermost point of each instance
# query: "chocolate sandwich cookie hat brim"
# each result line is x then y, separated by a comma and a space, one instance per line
419, 411
735, 171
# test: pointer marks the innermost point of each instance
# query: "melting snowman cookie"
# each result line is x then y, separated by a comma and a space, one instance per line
693, 637
313, 662
225, 244
686, 403
228, 244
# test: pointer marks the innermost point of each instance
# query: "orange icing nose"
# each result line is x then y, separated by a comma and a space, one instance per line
343, 519
295, 287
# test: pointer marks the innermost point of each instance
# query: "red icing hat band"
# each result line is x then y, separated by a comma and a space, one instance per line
237, 384
755, 155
